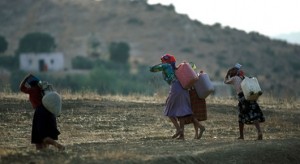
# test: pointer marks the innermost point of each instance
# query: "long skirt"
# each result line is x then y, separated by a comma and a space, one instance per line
198, 107
43, 125
249, 111
178, 102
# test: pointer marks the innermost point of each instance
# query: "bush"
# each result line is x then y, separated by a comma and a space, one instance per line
3, 44
9, 62
80, 62
119, 52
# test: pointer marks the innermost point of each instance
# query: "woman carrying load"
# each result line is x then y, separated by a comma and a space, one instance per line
249, 111
178, 102
44, 127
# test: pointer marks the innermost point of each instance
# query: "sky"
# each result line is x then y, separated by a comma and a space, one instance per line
267, 17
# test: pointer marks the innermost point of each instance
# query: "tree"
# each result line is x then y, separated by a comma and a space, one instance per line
3, 44
119, 52
36, 43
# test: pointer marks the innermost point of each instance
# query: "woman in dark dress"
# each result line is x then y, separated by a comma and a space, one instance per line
44, 126
249, 111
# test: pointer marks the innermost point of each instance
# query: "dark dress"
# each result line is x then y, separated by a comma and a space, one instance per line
43, 125
249, 111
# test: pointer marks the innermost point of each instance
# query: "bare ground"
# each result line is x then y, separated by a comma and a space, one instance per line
132, 130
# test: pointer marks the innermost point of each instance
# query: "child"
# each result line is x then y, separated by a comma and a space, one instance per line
249, 111
44, 127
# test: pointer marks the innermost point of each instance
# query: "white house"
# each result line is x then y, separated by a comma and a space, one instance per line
42, 62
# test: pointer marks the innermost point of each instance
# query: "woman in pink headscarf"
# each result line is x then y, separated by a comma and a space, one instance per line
178, 104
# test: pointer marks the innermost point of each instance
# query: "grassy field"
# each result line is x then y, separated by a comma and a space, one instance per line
132, 129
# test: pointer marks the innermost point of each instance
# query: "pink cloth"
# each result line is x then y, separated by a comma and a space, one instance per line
178, 103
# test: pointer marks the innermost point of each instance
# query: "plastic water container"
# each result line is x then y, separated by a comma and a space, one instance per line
203, 86
186, 75
251, 88
52, 102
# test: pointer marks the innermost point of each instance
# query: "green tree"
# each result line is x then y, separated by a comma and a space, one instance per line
81, 62
119, 52
3, 44
36, 43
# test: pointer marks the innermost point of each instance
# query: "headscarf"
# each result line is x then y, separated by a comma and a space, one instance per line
167, 58
240, 72
33, 81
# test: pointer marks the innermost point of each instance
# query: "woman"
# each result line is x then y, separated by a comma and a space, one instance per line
44, 127
249, 111
178, 102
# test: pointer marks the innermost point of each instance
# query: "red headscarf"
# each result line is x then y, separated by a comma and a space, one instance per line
167, 58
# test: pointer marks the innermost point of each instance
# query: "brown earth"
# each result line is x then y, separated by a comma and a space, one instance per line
133, 130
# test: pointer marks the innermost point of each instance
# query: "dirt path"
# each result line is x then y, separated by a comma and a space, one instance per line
110, 131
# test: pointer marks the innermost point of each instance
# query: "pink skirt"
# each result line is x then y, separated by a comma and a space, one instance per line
178, 102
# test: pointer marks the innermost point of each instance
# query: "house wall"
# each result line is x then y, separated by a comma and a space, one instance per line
32, 62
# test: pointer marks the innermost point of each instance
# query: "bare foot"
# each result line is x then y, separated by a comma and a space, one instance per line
196, 136
260, 136
178, 132
240, 138
181, 137
60, 147
202, 129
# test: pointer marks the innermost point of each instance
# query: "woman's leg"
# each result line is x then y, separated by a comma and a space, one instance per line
181, 124
259, 133
175, 123
241, 129
196, 131
196, 126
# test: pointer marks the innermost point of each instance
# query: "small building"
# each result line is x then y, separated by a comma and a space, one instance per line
42, 62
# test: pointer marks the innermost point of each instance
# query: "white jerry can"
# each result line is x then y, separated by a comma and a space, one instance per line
251, 88
52, 102
203, 86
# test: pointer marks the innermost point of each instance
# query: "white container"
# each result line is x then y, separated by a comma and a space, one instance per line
204, 87
52, 102
51, 99
251, 88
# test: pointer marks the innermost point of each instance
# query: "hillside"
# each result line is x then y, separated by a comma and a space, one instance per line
151, 31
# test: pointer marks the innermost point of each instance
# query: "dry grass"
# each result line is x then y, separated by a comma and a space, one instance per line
131, 129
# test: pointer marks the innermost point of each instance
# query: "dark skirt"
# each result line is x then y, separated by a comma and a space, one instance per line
249, 111
43, 125
198, 107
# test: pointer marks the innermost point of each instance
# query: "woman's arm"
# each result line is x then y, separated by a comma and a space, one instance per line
227, 79
157, 68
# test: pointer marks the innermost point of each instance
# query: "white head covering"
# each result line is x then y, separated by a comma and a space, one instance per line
238, 65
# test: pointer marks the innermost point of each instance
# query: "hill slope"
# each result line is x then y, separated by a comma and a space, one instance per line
151, 31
